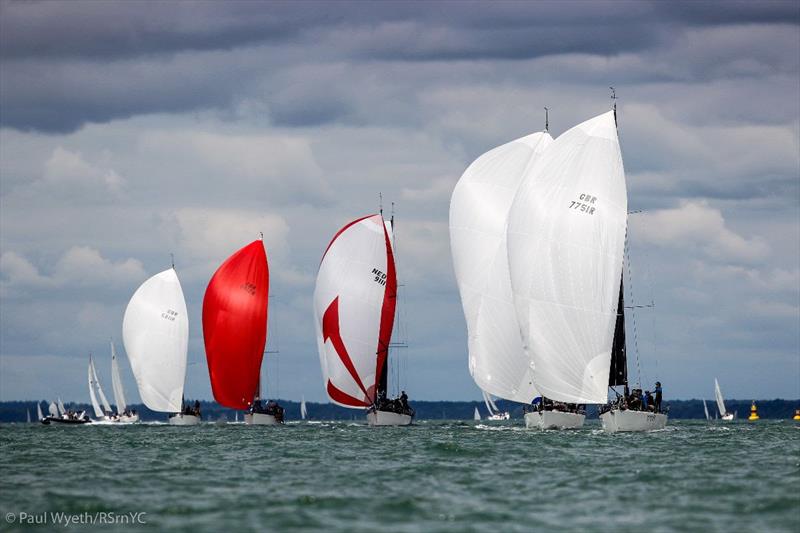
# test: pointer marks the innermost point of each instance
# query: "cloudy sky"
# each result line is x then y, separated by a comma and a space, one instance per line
132, 130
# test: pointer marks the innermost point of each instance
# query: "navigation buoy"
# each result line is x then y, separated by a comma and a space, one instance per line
796, 414
753, 412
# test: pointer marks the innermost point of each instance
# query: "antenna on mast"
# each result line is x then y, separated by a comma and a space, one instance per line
392, 220
614, 103
172, 260
262, 235
547, 120
380, 202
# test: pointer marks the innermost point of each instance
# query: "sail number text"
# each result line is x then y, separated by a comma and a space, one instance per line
584, 204
169, 314
380, 277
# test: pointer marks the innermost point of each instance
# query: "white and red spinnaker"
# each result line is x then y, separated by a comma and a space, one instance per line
354, 305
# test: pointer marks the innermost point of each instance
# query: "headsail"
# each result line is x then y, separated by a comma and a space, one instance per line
354, 305
235, 325
98, 412
479, 209
155, 332
566, 232
720, 401
116, 382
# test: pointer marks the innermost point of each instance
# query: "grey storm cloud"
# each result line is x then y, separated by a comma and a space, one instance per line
65, 64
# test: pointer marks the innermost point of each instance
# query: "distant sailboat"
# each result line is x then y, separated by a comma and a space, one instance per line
155, 332
39, 414
124, 415
303, 410
705, 409
494, 411
93, 385
28, 411
476, 415
354, 308
723, 413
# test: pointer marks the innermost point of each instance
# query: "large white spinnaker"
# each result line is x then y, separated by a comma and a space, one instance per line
116, 382
354, 304
720, 401
479, 209
155, 332
98, 411
566, 235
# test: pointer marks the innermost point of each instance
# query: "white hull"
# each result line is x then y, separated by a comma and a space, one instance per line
727, 417
499, 416
554, 420
184, 420
387, 418
617, 420
260, 419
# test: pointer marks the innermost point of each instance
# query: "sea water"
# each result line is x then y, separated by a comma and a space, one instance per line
433, 476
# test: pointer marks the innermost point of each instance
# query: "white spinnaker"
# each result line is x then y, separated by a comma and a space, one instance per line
566, 235
352, 270
155, 332
720, 401
101, 394
479, 210
98, 412
53, 409
705, 408
116, 382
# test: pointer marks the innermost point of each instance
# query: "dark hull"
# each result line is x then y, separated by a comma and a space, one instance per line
67, 421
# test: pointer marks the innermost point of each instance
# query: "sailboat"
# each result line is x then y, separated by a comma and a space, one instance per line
303, 410
723, 413
155, 333
28, 412
60, 415
39, 414
235, 333
124, 415
479, 210
354, 308
494, 411
705, 409
476, 415
94, 385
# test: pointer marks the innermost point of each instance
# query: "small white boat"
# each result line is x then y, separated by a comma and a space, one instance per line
494, 412
388, 418
617, 420
723, 412
260, 419
554, 420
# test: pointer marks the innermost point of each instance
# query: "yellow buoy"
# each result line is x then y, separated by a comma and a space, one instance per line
753, 412
796, 414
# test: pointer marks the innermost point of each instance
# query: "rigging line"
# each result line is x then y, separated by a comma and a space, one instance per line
633, 311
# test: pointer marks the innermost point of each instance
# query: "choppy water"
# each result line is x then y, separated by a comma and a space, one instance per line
435, 476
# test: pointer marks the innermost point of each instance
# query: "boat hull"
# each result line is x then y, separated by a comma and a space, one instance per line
727, 417
65, 421
617, 420
260, 419
183, 420
388, 418
128, 419
554, 420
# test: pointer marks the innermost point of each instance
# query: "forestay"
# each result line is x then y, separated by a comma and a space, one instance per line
235, 325
354, 306
155, 332
566, 232
479, 210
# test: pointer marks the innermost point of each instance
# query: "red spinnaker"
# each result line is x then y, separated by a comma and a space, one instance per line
235, 325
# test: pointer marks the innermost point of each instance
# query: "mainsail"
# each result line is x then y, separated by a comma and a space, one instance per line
155, 332
235, 325
720, 401
61, 409
303, 410
39, 411
354, 306
705, 409
98, 412
116, 382
100, 393
618, 374
476, 415
479, 209
53, 409
566, 232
